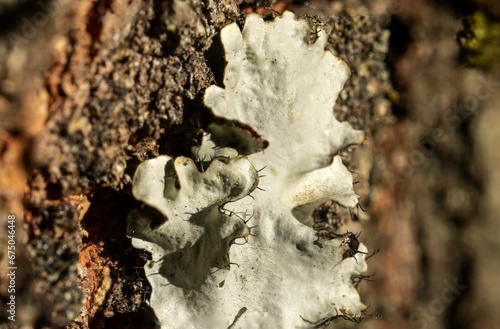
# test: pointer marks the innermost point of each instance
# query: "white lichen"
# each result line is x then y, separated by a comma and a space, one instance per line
223, 255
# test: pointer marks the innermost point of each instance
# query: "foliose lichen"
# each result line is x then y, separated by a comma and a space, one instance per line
237, 247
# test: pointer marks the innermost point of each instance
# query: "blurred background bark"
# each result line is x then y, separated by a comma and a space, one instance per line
89, 89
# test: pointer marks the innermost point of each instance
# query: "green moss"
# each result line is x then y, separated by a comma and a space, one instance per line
479, 41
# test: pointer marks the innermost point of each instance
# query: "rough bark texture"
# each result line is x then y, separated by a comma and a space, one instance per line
89, 89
